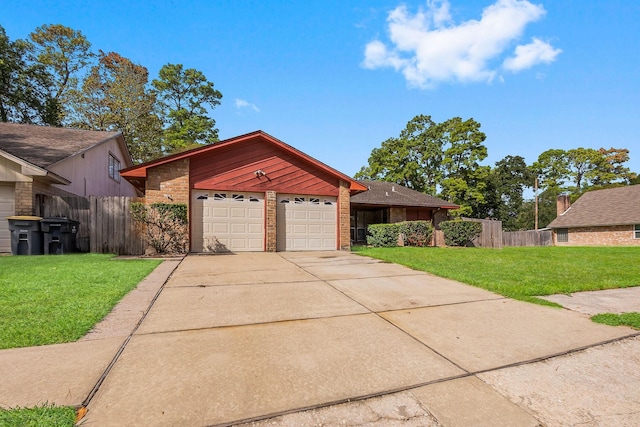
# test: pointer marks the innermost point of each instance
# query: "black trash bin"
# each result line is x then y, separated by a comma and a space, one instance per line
59, 235
26, 235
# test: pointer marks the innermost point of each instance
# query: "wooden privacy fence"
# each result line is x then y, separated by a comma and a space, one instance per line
491, 236
528, 238
106, 225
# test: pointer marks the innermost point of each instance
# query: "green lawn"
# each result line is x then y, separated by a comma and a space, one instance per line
54, 299
523, 272
45, 415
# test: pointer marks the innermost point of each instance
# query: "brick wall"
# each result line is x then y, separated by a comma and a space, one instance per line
25, 195
617, 235
170, 179
270, 221
344, 216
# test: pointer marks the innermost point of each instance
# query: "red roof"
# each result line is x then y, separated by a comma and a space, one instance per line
138, 174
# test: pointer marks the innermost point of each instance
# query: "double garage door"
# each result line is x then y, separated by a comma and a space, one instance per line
7, 208
234, 221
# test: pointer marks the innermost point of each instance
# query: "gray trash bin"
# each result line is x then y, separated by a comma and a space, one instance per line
26, 235
59, 235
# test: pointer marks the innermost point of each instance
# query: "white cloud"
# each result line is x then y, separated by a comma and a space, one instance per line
241, 103
428, 48
528, 55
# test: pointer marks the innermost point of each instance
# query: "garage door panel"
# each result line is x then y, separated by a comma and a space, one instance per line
315, 229
300, 215
230, 222
219, 213
256, 213
255, 229
7, 208
306, 223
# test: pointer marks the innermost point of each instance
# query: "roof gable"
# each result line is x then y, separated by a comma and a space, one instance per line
206, 155
43, 146
611, 206
391, 194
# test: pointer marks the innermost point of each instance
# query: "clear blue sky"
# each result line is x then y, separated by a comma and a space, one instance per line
336, 78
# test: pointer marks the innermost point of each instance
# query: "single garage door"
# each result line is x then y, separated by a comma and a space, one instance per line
306, 223
7, 208
227, 221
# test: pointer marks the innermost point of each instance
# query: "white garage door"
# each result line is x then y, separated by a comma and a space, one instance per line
7, 208
227, 221
306, 223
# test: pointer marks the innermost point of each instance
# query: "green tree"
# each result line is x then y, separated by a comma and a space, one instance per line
613, 170
63, 53
114, 96
504, 195
552, 167
580, 169
185, 95
23, 95
465, 180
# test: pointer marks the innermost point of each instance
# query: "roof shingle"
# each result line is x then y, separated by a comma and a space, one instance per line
43, 145
611, 206
391, 194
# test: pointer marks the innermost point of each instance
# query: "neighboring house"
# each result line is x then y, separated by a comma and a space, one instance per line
386, 202
602, 217
252, 193
56, 161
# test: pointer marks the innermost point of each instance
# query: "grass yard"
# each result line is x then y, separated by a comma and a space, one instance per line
36, 417
54, 299
523, 273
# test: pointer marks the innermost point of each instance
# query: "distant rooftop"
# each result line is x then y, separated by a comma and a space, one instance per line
611, 206
391, 194
44, 145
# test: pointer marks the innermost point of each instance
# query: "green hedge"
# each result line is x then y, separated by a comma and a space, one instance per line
415, 233
460, 233
383, 235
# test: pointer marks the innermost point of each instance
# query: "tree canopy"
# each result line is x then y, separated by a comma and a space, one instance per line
445, 160
184, 96
55, 79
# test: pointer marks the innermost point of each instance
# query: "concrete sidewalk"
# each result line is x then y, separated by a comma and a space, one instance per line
332, 338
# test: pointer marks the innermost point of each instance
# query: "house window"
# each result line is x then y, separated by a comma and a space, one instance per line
299, 200
636, 231
238, 197
220, 196
562, 235
314, 201
114, 168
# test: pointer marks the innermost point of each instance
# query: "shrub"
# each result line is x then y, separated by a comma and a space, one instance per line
460, 233
383, 235
416, 233
165, 225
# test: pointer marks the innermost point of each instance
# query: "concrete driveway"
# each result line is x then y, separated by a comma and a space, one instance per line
332, 338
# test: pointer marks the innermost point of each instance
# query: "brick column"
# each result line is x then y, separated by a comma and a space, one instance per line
170, 179
271, 221
24, 198
344, 216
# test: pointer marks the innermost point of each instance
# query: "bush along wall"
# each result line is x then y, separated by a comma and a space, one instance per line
166, 225
416, 233
460, 233
413, 233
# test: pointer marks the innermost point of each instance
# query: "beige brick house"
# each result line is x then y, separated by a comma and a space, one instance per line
56, 161
609, 217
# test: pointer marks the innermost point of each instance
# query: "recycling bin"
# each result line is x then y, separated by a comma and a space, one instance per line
26, 235
59, 235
